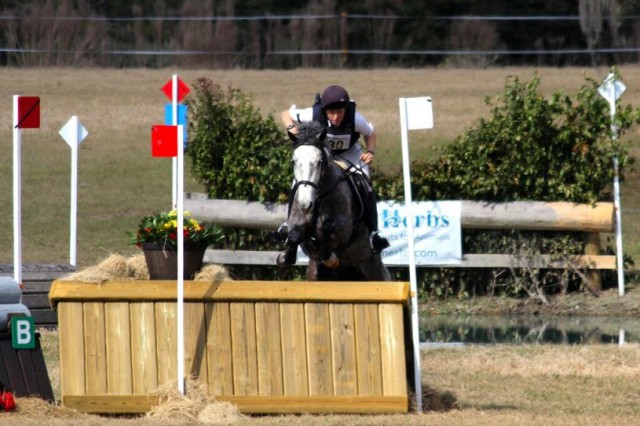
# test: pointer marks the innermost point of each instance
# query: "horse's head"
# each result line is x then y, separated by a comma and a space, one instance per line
310, 155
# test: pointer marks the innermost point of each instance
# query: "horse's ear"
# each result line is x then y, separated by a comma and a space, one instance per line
292, 136
322, 135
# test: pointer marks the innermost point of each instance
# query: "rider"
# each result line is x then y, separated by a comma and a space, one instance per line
337, 112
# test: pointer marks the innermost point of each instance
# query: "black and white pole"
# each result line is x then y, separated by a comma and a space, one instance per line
611, 89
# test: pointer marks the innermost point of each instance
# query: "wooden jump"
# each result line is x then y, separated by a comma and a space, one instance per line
267, 347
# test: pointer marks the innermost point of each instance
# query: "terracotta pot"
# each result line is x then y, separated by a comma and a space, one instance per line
162, 262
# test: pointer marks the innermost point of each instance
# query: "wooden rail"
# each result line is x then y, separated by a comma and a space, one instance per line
523, 215
519, 215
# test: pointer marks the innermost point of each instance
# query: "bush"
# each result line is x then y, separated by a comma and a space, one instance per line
237, 154
532, 148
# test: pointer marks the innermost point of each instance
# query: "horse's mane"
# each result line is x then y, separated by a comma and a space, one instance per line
310, 133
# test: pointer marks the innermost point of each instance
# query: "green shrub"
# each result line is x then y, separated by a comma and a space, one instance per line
531, 148
238, 154
235, 152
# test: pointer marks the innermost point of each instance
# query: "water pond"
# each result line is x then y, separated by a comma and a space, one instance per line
528, 329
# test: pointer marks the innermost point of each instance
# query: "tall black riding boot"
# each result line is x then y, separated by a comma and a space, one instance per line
376, 241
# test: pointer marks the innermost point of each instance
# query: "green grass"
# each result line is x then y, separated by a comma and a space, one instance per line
119, 181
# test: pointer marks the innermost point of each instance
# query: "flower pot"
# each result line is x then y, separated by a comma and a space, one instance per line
162, 262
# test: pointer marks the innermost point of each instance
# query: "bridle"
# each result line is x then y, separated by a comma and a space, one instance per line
324, 167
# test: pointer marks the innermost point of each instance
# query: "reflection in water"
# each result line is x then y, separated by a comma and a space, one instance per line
529, 329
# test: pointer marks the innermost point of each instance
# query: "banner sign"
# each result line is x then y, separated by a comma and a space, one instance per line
437, 227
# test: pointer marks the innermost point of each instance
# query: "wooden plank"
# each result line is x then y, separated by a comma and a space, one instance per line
258, 404
195, 346
95, 351
144, 366
44, 317
268, 291
367, 334
118, 344
526, 215
392, 350
243, 349
320, 368
294, 349
14, 374
166, 342
34, 369
469, 260
268, 339
320, 404
343, 349
219, 361
35, 300
540, 261
71, 347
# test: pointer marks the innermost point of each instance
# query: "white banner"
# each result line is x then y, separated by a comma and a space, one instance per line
437, 228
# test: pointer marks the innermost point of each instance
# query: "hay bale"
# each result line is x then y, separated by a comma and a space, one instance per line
112, 268
119, 268
196, 405
137, 266
212, 273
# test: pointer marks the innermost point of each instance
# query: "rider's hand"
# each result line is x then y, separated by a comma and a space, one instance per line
367, 157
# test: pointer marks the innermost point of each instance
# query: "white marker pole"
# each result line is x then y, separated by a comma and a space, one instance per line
17, 195
611, 90
180, 217
73, 215
174, 111
412, 259
73, 133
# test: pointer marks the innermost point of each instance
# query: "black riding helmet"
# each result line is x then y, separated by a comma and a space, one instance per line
334, 97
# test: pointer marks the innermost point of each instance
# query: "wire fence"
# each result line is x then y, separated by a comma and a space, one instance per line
322, 40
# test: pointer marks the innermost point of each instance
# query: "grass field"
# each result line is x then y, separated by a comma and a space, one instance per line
119, 181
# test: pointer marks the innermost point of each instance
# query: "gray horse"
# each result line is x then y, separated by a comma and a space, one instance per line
325, 214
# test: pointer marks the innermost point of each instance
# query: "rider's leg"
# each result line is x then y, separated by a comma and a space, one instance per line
377, 241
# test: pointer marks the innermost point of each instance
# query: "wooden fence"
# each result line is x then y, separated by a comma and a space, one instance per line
267, 347
592, 220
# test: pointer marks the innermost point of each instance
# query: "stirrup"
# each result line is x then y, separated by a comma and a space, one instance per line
287, 257
283, 229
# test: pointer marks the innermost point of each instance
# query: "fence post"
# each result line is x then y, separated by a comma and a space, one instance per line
592, 247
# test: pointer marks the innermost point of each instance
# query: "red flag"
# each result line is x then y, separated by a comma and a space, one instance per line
28, 112
164, 141
183, 89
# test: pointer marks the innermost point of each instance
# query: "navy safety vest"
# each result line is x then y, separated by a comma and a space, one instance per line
339, 138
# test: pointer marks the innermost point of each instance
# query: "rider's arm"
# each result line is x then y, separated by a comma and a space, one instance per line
367, 130
294, 116
287, 120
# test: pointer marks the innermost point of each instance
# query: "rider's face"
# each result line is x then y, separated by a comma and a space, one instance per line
336, 115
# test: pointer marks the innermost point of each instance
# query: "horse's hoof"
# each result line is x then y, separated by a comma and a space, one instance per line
333, 262
285, 258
